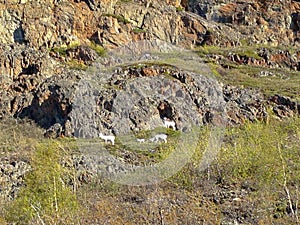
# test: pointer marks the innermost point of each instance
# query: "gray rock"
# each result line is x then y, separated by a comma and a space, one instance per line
244, 105
138, 97
12, 174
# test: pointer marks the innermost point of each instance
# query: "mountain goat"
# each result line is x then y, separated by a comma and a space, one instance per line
169, 123
142, 140
158, 137
106, 138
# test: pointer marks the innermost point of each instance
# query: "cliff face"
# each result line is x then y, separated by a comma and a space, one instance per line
115, 23
42, 42
261, 22
111, 23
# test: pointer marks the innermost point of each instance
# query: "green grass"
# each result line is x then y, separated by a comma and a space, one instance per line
247, 76
76, 65
124, 1
179, 9
120, 18
266, 156
139, 153
284, 82
260, 155
45, 196
98, 49
256, 151
138, 30
62, 50
248, 51
18, 136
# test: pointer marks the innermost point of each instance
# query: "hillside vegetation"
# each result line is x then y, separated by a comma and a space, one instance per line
254, 179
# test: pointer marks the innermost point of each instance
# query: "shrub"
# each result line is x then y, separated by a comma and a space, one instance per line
179, 9
259, 151
46, 197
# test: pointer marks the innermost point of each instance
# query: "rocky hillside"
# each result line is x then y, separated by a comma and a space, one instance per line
80, 68
141, 61
43, 42
116, 23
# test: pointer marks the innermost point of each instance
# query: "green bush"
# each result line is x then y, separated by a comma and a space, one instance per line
179, 9
46, 197
262, 152
62, 50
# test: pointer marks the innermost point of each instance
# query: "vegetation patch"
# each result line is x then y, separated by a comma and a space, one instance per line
77, 65
120, 18
179, 9
124, 1
46, 197
130, 150
98, 49
62, 50
270, 81
248, 76
18, 136
138, 30
254, 178
247, 51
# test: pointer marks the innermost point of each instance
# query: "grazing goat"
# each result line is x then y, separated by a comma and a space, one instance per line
169, 123
158, 137
106, 138
142, 140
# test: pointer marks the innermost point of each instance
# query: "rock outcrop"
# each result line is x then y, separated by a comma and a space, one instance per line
38, 39
123, 97
271, 22
12, 174
138, 97
284, 106
244, 105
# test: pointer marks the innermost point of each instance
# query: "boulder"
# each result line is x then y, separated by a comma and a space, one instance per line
284, 106
12, 174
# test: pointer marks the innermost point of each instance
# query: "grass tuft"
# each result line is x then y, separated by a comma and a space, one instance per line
98, 49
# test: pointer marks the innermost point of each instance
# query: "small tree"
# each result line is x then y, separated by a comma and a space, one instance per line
46, 197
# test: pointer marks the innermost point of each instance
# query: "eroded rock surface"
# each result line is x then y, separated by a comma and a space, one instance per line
12, 174
138, 97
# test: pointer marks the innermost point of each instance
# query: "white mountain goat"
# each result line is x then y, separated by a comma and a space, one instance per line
158, 137
169, 123
140, 140
106, 138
